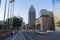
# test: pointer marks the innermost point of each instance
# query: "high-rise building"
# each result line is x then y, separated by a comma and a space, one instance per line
32, 16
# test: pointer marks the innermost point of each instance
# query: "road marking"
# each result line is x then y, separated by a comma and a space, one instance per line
15, 37
29, 36
24, 38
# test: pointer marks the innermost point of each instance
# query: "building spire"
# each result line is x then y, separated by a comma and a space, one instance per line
32, 9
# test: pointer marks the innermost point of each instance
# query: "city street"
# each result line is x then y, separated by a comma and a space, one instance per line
31, 35
29, 19
49, 36
17, 36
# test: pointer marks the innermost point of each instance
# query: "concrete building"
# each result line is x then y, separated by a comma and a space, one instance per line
32, 16
38, 23
45, 21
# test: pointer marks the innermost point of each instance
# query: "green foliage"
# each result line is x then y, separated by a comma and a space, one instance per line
14, 21
17, 22
1, 26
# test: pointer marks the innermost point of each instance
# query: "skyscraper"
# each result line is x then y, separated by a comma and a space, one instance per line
32, 16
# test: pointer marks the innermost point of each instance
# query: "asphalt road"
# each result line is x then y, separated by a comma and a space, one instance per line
31, 35
49, 36
17, 36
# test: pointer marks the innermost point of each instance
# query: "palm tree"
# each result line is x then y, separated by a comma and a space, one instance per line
4, 13
5, 10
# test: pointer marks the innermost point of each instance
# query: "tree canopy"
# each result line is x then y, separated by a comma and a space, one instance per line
14, 21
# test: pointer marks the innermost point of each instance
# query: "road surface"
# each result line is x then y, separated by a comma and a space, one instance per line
31, 35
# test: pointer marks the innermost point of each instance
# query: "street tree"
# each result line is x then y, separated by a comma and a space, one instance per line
15, 22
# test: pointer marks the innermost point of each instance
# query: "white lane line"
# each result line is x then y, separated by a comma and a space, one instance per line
15, 36
29, 36
24, 37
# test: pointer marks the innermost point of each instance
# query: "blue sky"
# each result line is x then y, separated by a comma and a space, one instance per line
22, 7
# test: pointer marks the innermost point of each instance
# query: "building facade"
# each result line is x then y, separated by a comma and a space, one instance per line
32, 16
45, 21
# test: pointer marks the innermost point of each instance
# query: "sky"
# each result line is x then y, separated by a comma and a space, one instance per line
21, 7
